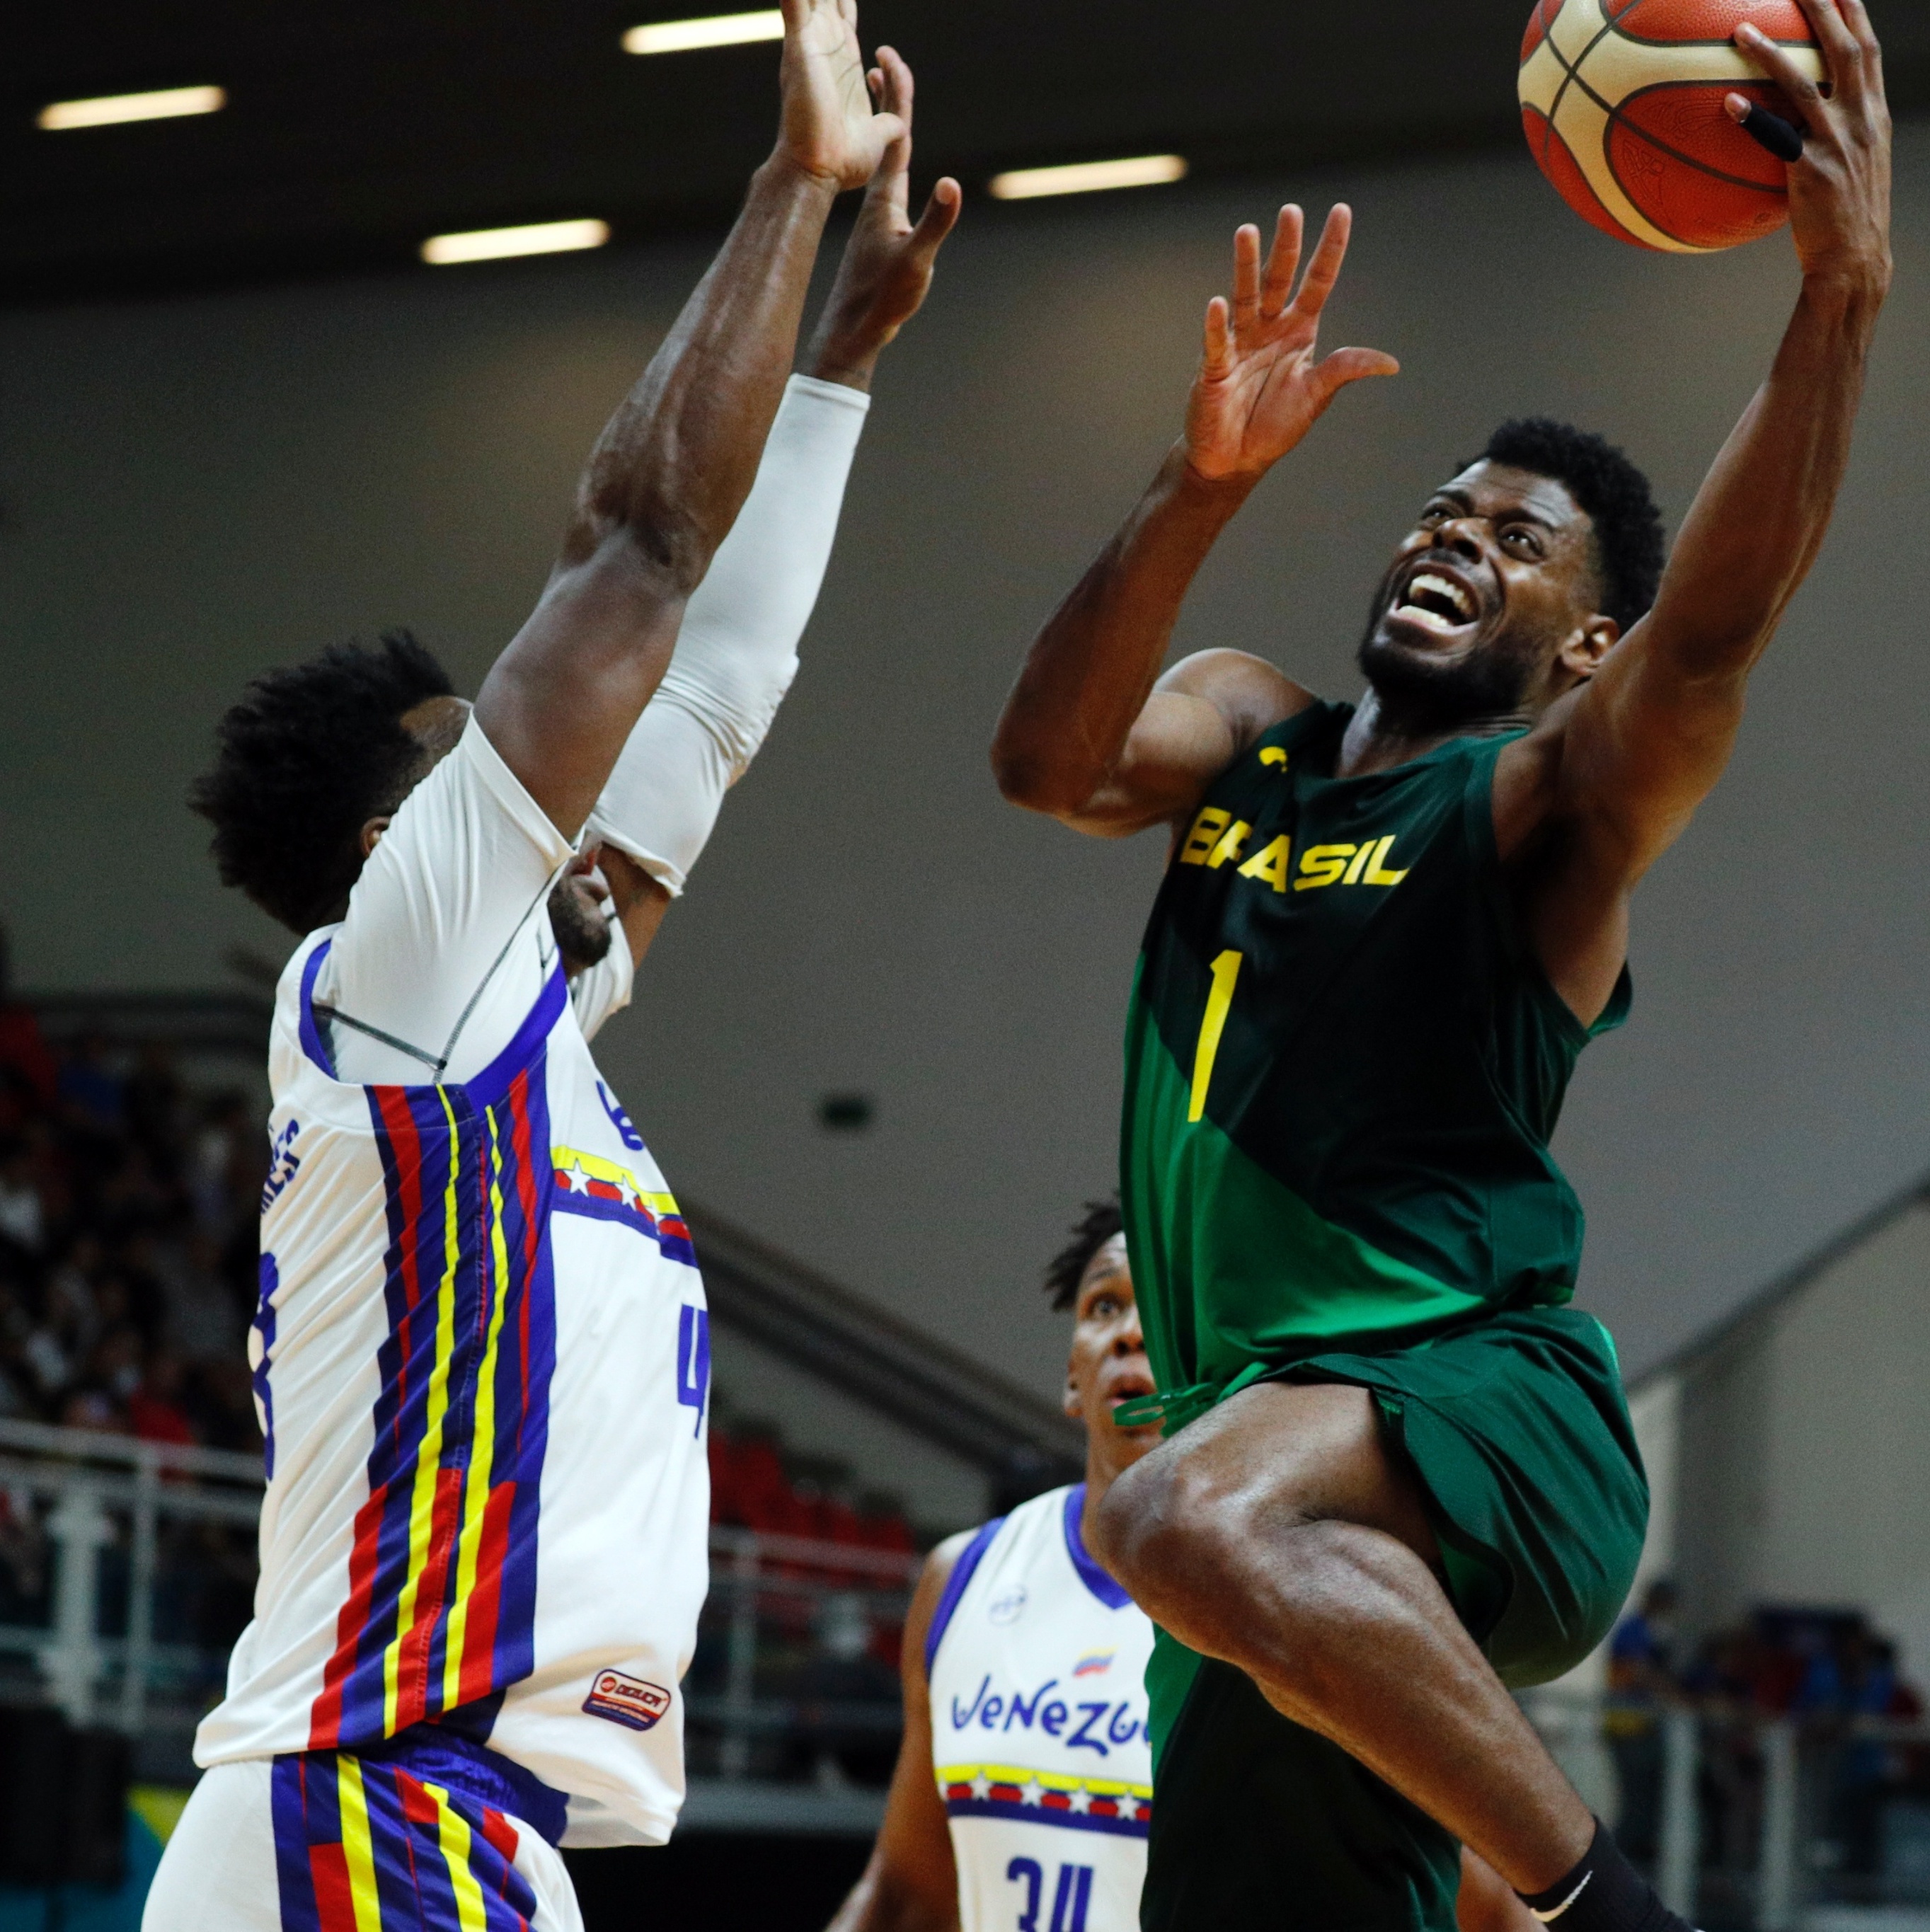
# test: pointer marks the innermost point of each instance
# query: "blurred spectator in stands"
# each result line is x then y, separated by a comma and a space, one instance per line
23, 1213
29, 1077
94, 1095
23, 1559
1641, 1685
154, 1410
844, 1702
92, 1409
155, 1105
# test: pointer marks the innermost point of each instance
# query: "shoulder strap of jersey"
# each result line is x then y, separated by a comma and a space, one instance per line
962, 1572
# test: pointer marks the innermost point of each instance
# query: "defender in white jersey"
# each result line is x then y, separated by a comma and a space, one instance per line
1023, 1792
481, 1352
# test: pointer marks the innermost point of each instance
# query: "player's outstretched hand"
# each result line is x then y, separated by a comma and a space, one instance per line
1261, 385
887, 264
828, 128
1839, 188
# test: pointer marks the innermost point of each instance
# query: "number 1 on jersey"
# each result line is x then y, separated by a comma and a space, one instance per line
1225, 971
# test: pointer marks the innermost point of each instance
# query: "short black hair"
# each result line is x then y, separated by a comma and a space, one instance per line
1099, 1222
311, 753
1628, 540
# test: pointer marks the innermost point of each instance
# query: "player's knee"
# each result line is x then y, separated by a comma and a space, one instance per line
1169, 1529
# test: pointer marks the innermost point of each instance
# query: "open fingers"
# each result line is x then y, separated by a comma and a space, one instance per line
1217, 355
1283, 261
899, 85
891, 94
1246, 275
940, 217
1350, 365
1324, 271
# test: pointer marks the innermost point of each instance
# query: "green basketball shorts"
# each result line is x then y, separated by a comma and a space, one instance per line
1519, 1432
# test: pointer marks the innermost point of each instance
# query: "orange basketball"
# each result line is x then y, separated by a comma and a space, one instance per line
1621, 100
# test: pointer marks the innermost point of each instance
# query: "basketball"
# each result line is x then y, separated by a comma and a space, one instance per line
1622, 102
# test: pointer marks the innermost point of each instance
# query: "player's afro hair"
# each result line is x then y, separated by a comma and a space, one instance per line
311, 753
1100, 1222
1628, 526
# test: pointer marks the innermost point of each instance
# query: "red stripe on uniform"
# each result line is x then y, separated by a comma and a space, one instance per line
418, 1807
334, 1899
324, 1723
412, 1662
485, 1603
501, 1833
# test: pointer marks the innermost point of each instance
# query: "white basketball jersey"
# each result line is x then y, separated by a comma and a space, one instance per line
482, 1356
1036, 1661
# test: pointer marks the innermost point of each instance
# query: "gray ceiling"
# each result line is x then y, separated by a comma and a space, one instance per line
355, 129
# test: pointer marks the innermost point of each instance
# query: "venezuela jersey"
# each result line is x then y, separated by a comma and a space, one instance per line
482, 1359
1036, 1661
1343, 1068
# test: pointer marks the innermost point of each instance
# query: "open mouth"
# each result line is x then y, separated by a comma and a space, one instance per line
1435, 602
1128, 1388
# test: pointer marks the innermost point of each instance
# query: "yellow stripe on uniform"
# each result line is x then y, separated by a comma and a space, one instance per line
482, 1450
357, 1852
453, 1834
428, 1458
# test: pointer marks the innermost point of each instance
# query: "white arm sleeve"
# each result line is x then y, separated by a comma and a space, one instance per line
737, 651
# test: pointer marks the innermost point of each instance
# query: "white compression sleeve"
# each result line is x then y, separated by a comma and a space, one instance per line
737, 651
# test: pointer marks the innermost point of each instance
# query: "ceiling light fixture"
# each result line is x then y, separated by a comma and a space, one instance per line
1088, 177
496, 245
109, 110
715, 30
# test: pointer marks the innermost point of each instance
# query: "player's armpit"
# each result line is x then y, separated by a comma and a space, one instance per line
639, 901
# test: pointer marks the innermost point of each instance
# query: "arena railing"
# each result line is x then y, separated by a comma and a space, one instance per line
779, 1608
1750, 1810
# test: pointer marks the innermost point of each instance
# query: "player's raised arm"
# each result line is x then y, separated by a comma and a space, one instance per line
672, 469
1087, 735
1649, 735
737, 651
911, 1882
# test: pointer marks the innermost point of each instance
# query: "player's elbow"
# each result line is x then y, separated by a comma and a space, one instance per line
1028, 774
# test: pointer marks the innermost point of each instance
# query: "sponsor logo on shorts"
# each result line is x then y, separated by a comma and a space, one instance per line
626, 1700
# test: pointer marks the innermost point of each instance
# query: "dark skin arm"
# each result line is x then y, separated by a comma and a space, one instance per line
1088, 735
673, 466
1616, 766
911, 1883
1612, 775
883, 279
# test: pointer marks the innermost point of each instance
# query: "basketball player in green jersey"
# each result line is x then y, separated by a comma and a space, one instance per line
1399, 1474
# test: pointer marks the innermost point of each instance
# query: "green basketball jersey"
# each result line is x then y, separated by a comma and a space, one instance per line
1343, 1068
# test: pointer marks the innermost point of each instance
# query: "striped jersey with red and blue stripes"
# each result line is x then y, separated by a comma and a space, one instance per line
481, 1358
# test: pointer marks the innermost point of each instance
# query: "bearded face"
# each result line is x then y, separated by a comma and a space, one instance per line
1499, 575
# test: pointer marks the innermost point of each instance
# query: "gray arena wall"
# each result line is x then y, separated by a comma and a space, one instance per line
191, 490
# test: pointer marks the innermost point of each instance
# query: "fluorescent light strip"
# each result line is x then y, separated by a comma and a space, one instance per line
1088, 177
109, 109
716, 30
495, 244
